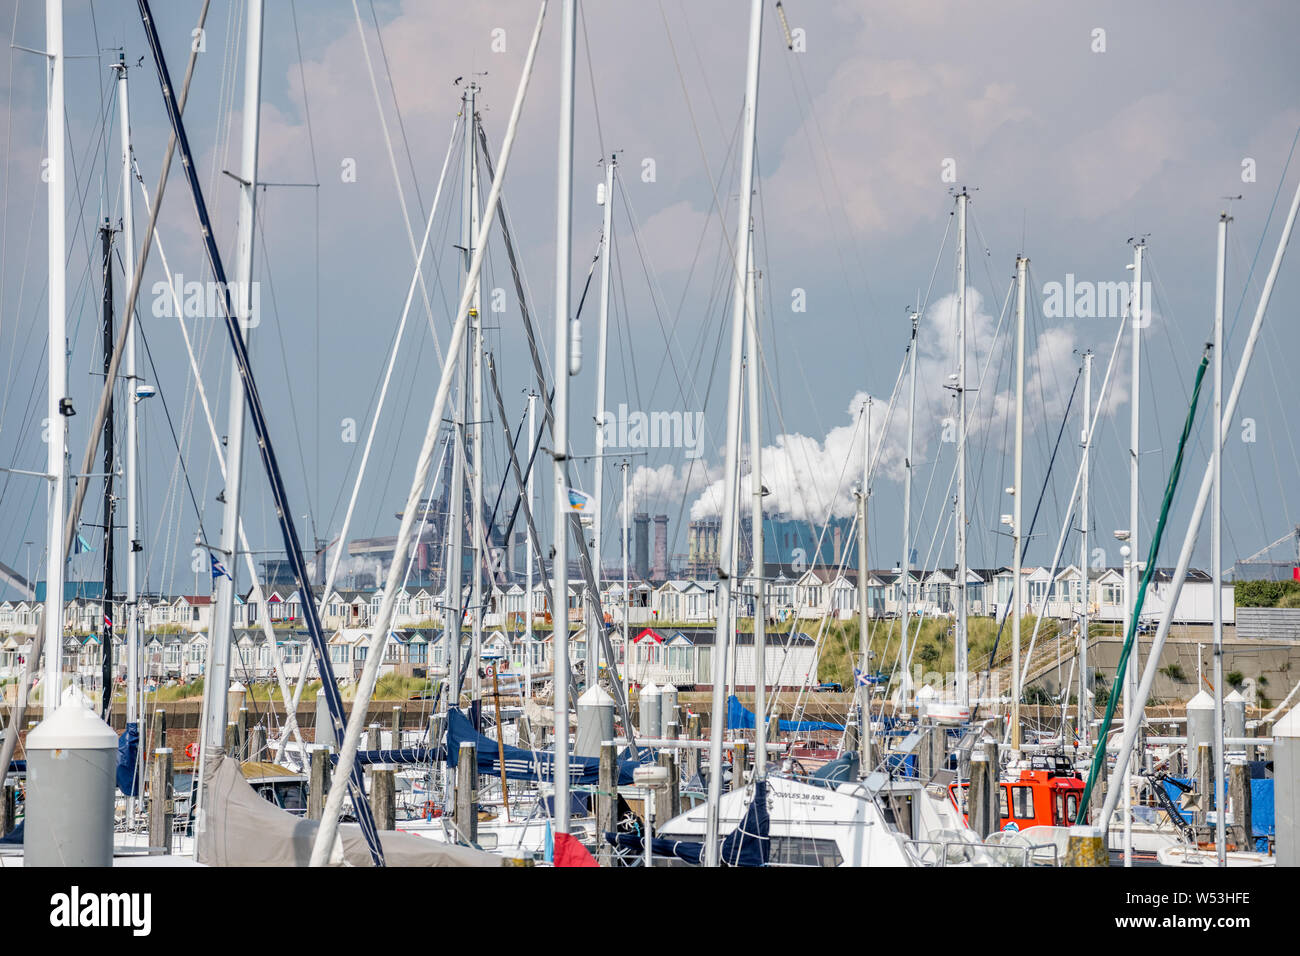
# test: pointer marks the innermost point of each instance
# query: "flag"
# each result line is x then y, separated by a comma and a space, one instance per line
80, 546
218, 569
1295, 574
580, 500
108, 622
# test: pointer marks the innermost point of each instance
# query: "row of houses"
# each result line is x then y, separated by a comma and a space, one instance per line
680, 656
807, 594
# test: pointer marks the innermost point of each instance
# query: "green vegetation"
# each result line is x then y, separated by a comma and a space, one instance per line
1175, 672
1235, 679
934, 647
1266, 593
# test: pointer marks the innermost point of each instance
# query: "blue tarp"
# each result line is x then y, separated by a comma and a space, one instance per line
521, 763
1261, 808
740, 717
128, 755
406, 756
15, 837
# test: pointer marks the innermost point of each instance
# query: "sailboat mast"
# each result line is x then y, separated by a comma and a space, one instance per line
1216, 545
106, 604
476, 450
627, 598
905, 692
221, 635
1131, 570
529, 557
727, 563
602, 356
754, 394
57, 403
130, 608
862, 689
960, 662
1085, 696
1017, 585
455, 555
560, 499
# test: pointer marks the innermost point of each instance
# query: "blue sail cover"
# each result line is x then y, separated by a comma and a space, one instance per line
128, 755
406, 756
740, 717
747, 845
520, 762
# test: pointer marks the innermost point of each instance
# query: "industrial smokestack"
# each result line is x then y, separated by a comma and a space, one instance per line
642, 545
661, 548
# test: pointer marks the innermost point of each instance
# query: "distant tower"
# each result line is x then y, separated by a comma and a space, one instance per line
642, 545
661, 548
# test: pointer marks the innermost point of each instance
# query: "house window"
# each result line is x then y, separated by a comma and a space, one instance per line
1112, 594
419, 653
339, 654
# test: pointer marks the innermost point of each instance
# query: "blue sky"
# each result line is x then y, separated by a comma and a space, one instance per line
1072, 150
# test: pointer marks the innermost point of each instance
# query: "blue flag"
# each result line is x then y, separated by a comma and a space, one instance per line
218, 569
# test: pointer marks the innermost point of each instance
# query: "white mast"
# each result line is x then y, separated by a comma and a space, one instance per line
132, 421
1017, 585
863, 689
528, 544
754, 353
454, 557
221, 634
905, 691
602, 352
727, 563
960, 651
1216, 545
1138, 317
627, 598
1085, 697
560, 500
479, 542
56, 421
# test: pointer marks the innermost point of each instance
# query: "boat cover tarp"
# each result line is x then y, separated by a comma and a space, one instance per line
1261, 808
242, 829
128, 755
520, 762
840, 770
740, 717
15, 836
405, 756
747, 845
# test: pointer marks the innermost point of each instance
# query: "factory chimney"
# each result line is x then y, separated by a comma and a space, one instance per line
661, 549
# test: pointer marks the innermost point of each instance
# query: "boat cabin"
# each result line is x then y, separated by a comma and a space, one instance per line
1038, 799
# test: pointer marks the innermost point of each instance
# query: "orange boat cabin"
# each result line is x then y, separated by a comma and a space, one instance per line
1038, 799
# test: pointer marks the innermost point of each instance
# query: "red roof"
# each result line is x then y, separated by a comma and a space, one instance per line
650, 632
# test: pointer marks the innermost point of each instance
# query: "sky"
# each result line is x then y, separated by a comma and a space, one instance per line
1076, 130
